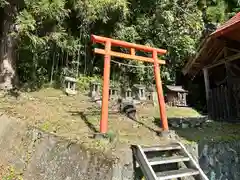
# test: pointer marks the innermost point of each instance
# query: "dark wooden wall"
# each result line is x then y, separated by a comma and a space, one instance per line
224, 95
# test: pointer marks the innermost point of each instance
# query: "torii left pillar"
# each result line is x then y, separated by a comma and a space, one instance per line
105, 93
107, 52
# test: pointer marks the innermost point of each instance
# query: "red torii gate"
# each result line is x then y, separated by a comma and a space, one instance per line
107, 52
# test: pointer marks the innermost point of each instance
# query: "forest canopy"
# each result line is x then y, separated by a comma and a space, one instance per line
43, 40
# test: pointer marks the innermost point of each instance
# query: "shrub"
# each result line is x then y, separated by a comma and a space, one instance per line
83, 82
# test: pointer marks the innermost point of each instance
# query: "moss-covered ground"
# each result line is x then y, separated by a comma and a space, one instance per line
212, 131
77, 118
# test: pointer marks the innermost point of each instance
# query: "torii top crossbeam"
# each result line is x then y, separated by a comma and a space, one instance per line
99, 39
133, 47
107, 52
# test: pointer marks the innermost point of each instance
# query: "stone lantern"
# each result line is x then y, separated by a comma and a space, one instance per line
140, 92
152, 95
95, 89
70, 85
113, 92
128, 94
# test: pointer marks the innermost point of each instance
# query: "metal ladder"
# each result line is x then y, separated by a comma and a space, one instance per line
169, 161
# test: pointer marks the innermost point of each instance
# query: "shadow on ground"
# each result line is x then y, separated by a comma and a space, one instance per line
146, 126
91, 126
84, 115
85, 119
157, 122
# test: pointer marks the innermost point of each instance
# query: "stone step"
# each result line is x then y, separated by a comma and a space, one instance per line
167, 147
167, 160
177, 174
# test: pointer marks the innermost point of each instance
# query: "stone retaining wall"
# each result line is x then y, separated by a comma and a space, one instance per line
220, 161
37, 155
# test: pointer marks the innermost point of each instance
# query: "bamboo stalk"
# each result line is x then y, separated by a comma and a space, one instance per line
53, 64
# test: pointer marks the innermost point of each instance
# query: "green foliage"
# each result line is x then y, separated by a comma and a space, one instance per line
93, 10
115, 84
129, 34
3, 3
54, 36
45, 9
40, 33
177, 27
25, 22
45, 126
83, 82
111, 135
216, 13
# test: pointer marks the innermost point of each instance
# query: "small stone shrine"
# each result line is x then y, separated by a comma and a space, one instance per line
70, 85
140, 92
176, 96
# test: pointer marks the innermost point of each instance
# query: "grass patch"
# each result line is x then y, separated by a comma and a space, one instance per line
12, 174
76, 118
174, 112
212, 132
182, 112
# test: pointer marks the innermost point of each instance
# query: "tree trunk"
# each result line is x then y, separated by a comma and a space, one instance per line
8, 76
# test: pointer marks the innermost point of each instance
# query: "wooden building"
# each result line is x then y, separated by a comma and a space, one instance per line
218, 60
176, 96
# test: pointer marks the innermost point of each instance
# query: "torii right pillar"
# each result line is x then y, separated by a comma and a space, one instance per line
161, 101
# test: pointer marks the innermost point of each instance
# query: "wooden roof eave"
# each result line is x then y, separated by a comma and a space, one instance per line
208, 54
190, 63
208, 51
